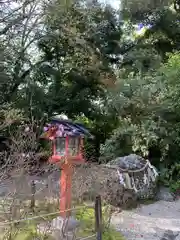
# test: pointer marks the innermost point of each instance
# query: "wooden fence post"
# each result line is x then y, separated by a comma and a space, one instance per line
98, 217
33, 191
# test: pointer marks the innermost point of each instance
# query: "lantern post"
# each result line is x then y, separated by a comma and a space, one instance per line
67, 143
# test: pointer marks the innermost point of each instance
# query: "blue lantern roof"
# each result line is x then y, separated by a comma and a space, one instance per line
63, 128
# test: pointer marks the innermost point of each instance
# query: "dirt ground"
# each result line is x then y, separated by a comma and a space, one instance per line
157, 221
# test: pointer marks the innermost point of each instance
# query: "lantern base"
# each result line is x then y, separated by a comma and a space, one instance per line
59, 228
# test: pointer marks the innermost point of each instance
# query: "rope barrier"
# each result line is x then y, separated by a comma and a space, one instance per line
36, 217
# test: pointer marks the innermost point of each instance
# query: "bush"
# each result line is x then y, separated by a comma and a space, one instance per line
170, 177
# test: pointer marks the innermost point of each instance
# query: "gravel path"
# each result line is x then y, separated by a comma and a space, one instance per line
157, 221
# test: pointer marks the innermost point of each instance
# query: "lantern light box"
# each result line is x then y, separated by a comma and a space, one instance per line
69, 147
67, 139
67, 143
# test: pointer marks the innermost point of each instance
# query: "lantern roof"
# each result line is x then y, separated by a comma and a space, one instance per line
62, 128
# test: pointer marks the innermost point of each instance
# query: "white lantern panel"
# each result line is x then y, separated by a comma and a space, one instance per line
60, 144
74, 143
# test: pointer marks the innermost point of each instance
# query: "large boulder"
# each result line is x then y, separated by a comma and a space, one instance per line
136, 173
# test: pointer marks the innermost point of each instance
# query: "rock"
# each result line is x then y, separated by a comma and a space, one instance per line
178, 236
170, 235
59, 228
164, 194
130, 162
142, 176
67, 225
92, 180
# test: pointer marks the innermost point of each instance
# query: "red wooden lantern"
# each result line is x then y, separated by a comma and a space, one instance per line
67, 143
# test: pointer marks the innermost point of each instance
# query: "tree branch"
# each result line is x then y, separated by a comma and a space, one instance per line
12, 23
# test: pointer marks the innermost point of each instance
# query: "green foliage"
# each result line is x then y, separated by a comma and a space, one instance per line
75, 51
10, 118
87, 218
175, 186
170, 177
139, 6
135, 101
148, 109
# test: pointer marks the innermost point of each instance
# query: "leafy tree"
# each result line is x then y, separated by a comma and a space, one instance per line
76, 47
154, 33
19, 32
77, 50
